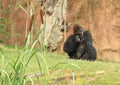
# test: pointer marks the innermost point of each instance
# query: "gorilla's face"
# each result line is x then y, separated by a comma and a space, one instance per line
78, 36
78, 32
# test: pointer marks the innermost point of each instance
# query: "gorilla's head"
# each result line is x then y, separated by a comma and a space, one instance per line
78, 31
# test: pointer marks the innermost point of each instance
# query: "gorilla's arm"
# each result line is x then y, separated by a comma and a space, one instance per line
70, 44
90, 49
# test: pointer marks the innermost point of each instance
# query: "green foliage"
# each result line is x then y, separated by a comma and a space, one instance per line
1, 7
3, 31
2, 25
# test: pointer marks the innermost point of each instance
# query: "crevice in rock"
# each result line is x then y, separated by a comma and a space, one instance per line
109, 50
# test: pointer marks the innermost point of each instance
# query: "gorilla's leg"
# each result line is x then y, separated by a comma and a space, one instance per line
71, 55
85, 56
91, 51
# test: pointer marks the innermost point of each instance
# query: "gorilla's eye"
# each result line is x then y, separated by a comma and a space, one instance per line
80, 34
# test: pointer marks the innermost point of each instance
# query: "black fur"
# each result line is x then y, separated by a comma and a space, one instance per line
70, 44
90, 51
83, 49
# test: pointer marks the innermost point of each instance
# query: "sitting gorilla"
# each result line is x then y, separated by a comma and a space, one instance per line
80, 44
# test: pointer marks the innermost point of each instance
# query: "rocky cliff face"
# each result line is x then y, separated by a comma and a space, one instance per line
17, 20
102, 18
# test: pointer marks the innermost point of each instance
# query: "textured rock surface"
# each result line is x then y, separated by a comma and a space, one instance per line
102, 18
54, 17
17, 19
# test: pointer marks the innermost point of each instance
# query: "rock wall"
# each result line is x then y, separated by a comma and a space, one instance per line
102, 18
17, 20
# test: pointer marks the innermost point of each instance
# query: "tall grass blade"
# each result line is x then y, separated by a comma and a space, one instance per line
71, 64
23, 9
7, 76
40, 68
51, 32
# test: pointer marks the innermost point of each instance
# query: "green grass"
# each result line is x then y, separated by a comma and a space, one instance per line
59, 66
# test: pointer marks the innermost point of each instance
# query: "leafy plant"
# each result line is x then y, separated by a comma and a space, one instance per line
2, 25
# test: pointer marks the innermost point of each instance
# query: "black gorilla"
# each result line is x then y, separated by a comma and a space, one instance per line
80, 44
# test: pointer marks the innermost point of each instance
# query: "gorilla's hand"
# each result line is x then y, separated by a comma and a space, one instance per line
77, 39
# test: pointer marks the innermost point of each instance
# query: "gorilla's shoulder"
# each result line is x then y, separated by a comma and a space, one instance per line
88, 36
87, 33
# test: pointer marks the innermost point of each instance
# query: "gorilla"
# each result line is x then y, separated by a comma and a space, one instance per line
79, 45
